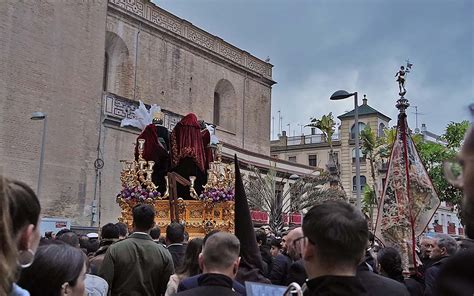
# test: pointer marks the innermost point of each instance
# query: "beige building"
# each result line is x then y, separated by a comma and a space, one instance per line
313, 149
86, 64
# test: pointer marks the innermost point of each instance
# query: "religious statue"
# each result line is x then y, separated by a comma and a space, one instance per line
156, 148
401, 80
189, 143
153, 142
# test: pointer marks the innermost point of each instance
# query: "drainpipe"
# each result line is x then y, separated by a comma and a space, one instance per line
243, 112
136, 65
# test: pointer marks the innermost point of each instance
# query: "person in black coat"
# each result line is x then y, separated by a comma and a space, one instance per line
296, 273
335, 237
174, 243
264, 248
193, 282
442, 247
390, 265
294, 245
376, 284
281, 264
219, 261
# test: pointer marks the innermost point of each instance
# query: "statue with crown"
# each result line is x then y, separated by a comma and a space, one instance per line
180, 173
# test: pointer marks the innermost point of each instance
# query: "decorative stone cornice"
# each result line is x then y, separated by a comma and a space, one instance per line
116, 108
164, 20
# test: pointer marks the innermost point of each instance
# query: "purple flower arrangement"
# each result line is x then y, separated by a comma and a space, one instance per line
218, 194
138, 194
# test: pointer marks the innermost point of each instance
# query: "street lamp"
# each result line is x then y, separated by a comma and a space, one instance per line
40, 116
340, 95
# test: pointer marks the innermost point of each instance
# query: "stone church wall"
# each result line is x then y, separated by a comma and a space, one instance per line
49, 52
53, 55
183, 79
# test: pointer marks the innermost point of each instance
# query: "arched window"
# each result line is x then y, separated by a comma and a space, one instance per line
363, 182
225, 105
361, 156
118, 74
381, 130
353, 128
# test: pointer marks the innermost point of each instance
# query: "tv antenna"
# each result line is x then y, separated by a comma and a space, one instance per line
417, 130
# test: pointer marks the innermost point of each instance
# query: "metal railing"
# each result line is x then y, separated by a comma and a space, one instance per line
310, 139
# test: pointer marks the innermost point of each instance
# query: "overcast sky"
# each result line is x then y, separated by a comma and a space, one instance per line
320, 46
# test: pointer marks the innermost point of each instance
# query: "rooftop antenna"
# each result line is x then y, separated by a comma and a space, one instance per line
417, 130
273, 127
301, 126
279, 121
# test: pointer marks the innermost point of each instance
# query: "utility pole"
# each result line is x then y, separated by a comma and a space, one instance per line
273, 127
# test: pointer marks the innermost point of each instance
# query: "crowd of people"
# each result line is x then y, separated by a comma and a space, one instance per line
333, 253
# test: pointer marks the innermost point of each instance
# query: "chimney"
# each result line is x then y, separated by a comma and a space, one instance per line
364, 100
423, 127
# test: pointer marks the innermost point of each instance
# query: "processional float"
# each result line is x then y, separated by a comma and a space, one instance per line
409, 199
200, 210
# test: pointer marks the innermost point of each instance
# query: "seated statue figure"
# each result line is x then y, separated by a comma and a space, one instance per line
156, 148
188, 153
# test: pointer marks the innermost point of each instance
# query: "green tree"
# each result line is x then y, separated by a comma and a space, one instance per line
369, 145
376, 151
433, 154
369, 200
389, 136
454, 134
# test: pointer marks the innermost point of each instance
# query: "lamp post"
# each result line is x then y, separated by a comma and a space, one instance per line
40, 116
340, 95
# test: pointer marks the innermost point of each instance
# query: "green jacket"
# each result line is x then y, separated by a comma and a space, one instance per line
137, 266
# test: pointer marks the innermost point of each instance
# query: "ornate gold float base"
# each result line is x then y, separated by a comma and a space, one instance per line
199, 217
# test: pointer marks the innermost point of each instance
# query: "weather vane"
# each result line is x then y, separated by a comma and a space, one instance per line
401, 77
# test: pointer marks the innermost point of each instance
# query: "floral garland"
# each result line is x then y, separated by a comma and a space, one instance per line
218, 194
138, 194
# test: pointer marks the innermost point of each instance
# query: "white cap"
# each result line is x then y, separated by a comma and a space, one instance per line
92, 235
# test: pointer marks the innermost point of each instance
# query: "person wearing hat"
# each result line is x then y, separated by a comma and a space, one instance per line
92, 235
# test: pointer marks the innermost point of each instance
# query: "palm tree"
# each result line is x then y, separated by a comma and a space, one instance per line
369, 150
369, 200
268, 193
326, 125
376, 150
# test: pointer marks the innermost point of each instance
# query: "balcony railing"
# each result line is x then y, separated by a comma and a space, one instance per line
310, 139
